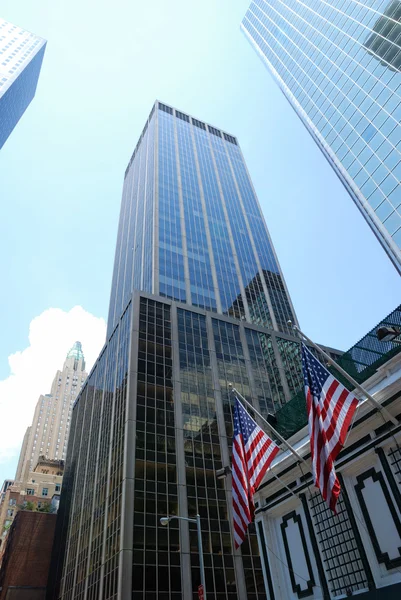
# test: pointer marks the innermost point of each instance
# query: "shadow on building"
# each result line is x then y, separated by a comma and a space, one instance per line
26, 560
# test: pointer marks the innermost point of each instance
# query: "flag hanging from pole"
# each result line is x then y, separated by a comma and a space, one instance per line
330, 408
253, 452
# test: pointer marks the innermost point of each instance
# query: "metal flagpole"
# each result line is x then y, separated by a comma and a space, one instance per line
282, 482
271, 429
376, 404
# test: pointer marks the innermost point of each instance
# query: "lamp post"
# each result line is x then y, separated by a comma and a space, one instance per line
388, 334
166, 520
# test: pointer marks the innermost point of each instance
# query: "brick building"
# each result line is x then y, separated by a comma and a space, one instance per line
26, 559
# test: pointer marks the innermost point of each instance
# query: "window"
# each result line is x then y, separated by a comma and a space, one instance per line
10, 512
214, 131
30, 492
45, 491
58, 487
12, 502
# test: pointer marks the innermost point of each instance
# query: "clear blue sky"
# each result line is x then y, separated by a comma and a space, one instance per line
61, 171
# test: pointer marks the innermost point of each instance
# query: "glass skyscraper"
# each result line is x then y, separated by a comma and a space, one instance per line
197, 302
338, 63
21, 55
191, 227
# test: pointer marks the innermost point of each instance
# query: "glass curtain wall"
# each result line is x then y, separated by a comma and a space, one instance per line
338, 63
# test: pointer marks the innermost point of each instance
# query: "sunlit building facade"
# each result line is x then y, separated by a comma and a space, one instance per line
191, 227
21, 55
47, 436
197, 302
338, 64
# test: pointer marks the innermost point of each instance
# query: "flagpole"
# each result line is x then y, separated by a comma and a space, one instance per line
362, 390
282, 482
271, 429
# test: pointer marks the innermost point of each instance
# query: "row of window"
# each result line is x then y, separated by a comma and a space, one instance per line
45, 490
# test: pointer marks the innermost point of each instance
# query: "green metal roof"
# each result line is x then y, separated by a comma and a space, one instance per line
76, 351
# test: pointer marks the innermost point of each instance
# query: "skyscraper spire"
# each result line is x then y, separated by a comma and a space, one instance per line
77, 354
48, 434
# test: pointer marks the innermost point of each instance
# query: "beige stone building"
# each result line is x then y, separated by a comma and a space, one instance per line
41, 463
48, 434
39, 488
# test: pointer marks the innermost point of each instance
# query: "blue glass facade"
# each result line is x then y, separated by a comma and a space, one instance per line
195, 284
191, 228
21, 55
338, 63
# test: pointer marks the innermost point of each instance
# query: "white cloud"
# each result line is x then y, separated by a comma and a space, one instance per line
32, 370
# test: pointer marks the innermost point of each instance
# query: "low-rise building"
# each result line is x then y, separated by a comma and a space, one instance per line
37, 492
4, 488
309, 552
26, 558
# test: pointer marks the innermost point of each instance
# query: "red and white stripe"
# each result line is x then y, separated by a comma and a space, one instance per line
249, 465
329, 418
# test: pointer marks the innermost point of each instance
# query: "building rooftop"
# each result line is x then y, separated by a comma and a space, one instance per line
49, 462
76, 351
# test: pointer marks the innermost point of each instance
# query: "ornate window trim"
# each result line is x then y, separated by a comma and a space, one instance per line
296, 588
377, 477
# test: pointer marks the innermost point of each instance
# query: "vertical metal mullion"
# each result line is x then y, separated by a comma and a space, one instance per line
249, 369
250, 236
206, 222
95, 481
62, 567
73, 497
134, 240
186, 577
281, 369
182, 218
82, 494
125, 561
156, 233
106, 511
225, 456
145, 203
230, 234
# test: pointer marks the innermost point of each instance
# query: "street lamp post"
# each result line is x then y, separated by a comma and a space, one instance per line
389, 334
166, 520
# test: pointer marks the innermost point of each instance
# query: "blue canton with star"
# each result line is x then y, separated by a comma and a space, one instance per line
243, 422
315, 374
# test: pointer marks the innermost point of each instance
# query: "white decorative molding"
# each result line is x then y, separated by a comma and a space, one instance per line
297, 553
381, 517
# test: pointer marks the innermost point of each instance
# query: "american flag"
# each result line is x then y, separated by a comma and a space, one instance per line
330, 409
253, 452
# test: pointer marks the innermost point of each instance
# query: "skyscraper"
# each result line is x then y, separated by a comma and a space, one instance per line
21, 55
197, 302
48, 434
191, 227
338, 64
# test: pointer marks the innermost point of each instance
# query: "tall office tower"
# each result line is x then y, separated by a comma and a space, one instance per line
48, 434
338, 64
197, 302
21, 55
191, 227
